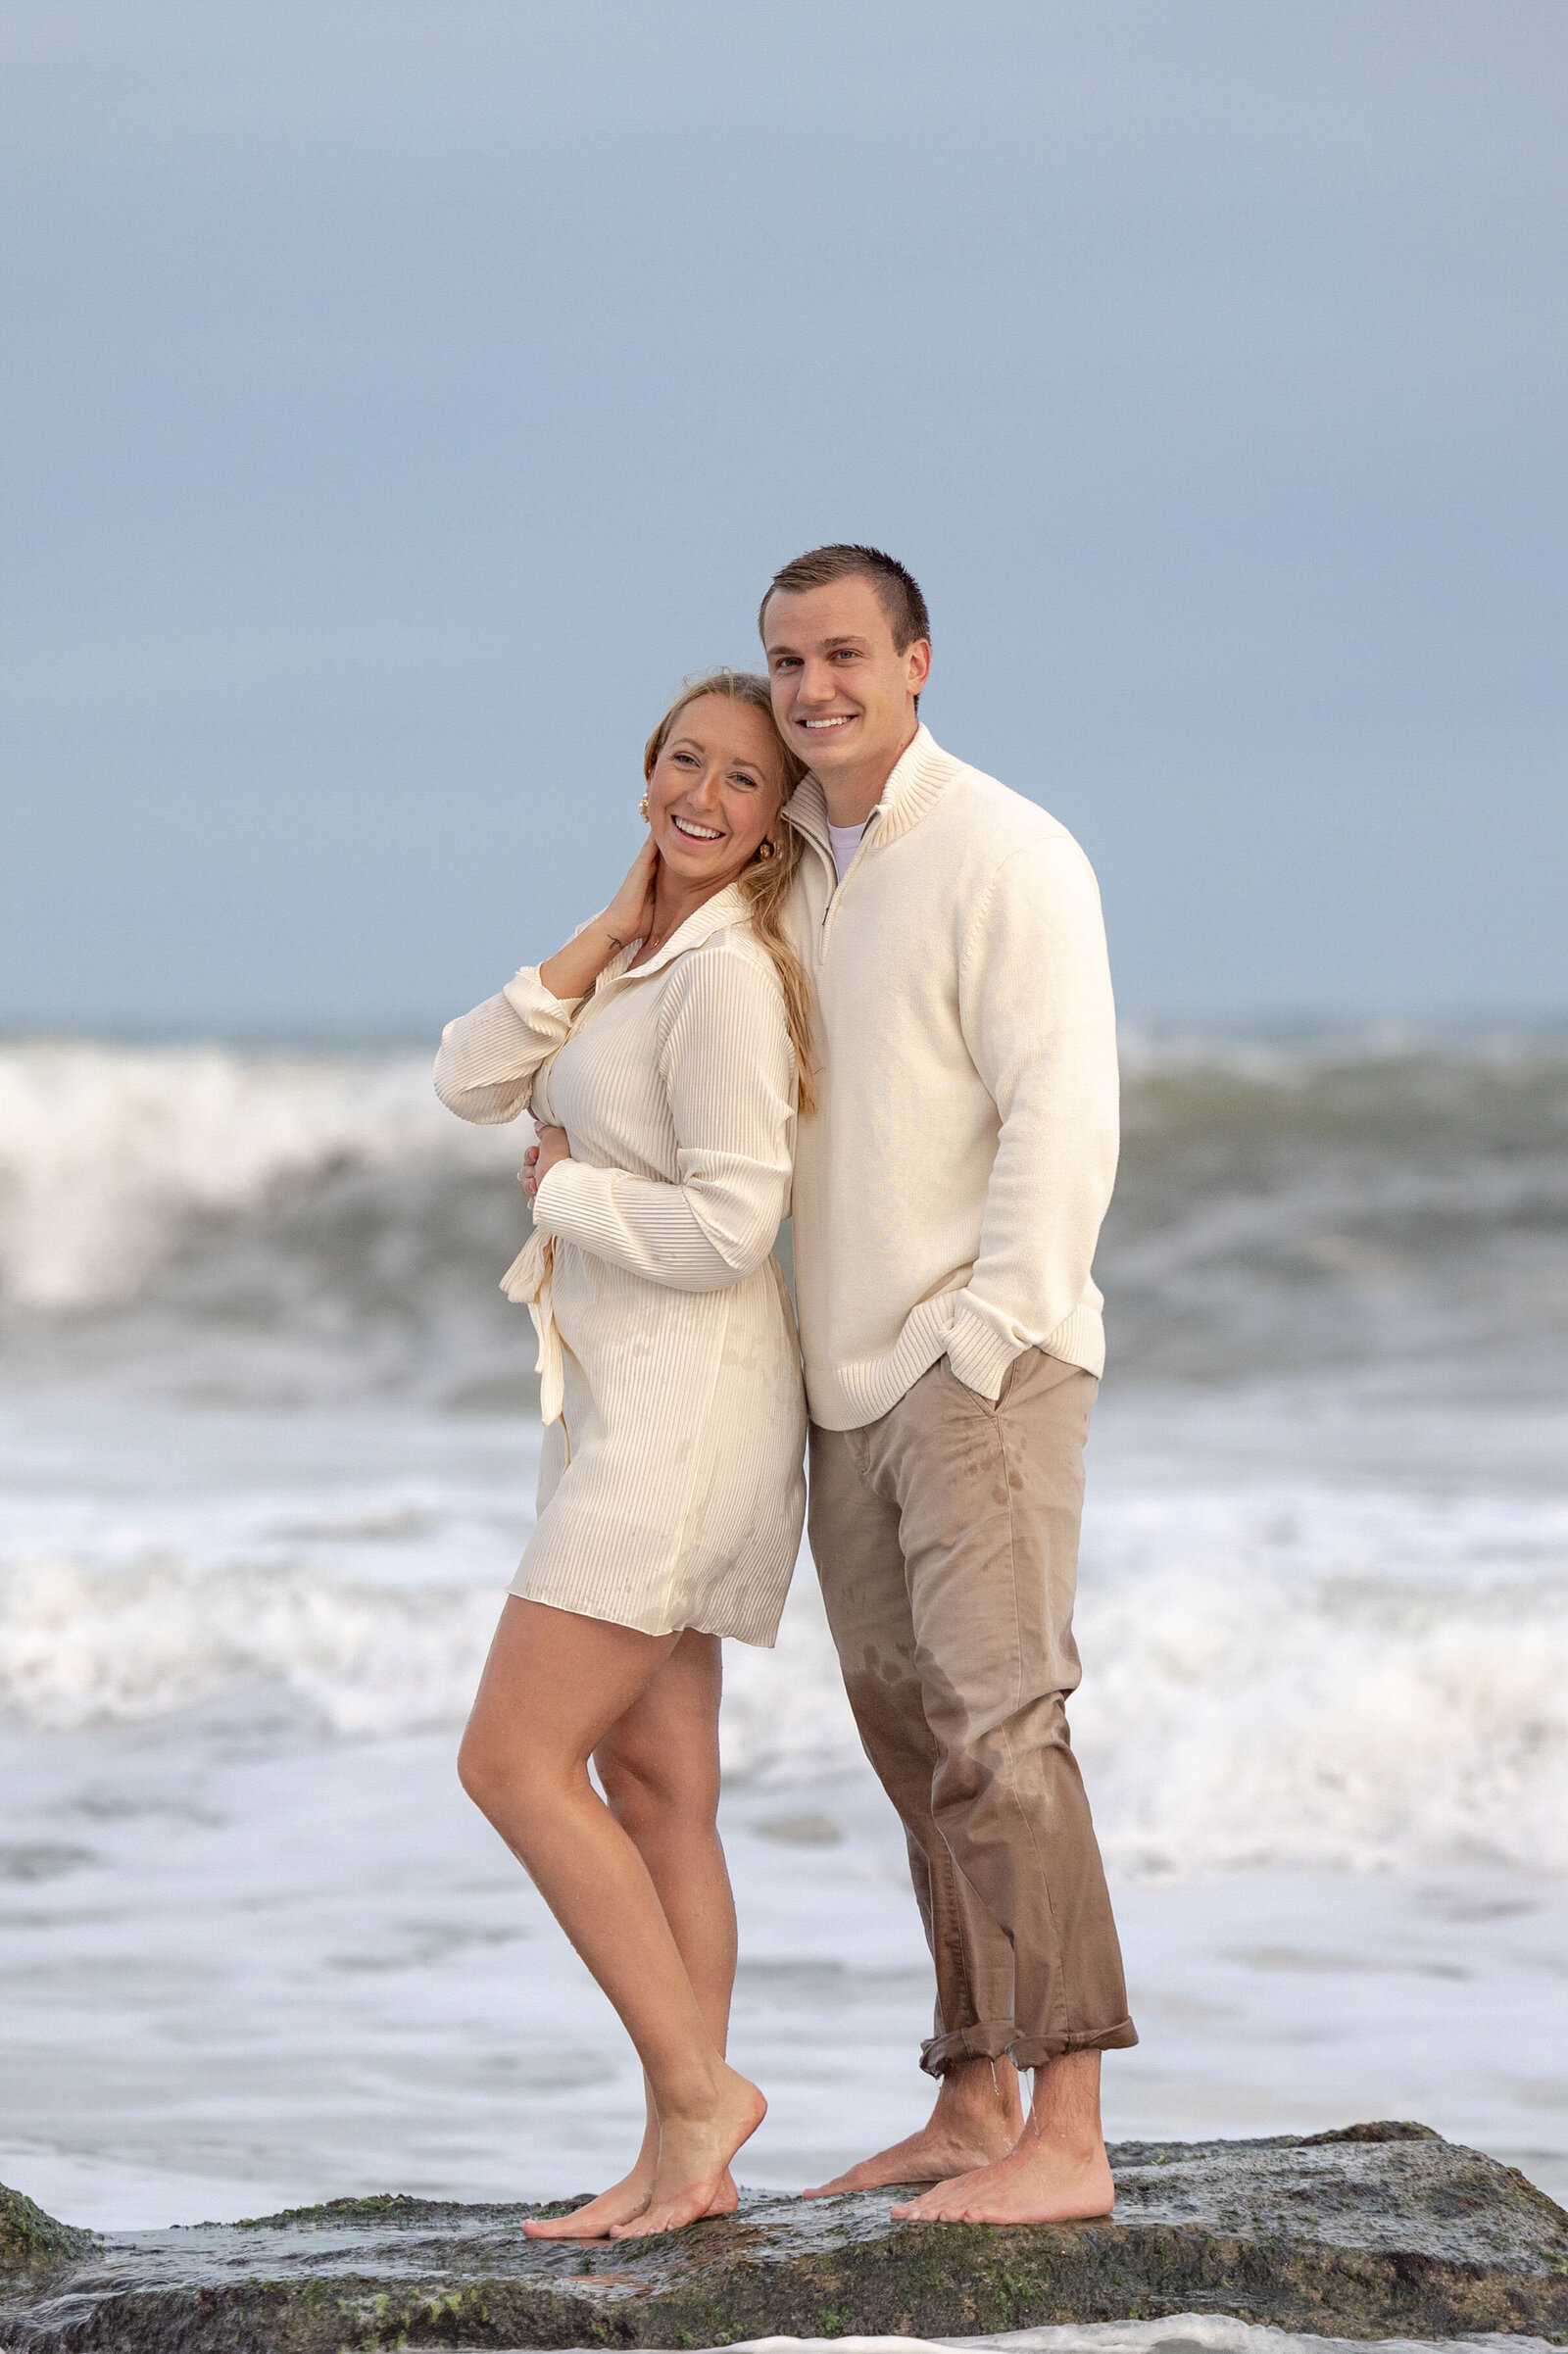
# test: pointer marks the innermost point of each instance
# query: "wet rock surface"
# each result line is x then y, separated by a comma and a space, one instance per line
1377, 2232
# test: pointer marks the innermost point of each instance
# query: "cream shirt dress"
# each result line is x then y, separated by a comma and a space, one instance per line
670, 1484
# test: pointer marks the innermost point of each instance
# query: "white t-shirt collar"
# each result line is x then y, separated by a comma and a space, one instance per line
846, 840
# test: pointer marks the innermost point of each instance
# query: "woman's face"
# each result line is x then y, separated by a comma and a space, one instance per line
715, 790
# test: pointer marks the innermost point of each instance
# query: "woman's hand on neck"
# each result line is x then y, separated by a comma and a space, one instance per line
650, 907
573, 969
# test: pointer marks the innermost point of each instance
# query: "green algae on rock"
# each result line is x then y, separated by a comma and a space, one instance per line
32, 2241
1374, 2231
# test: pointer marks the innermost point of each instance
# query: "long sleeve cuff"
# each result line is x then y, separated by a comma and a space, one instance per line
978, 1353
983, 1343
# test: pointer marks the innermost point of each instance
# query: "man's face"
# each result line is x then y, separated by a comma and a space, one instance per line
843, 694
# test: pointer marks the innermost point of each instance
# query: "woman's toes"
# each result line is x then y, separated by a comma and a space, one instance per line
674, 2218
598, 2219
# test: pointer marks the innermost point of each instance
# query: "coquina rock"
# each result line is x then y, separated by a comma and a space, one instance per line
1379, 2230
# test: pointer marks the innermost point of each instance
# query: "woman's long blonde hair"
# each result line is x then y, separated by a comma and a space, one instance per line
765, 882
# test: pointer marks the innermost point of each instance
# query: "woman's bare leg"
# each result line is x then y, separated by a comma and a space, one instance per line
554, 1686
658, 1766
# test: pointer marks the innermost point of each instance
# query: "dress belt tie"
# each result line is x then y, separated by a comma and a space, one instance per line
529, 1282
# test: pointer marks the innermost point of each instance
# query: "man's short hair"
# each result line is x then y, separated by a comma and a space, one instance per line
898, 591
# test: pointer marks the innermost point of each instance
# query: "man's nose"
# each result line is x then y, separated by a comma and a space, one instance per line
817, 682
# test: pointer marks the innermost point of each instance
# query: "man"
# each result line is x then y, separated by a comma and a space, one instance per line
948, 1196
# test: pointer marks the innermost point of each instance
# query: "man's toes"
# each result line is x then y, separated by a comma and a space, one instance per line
941, 2205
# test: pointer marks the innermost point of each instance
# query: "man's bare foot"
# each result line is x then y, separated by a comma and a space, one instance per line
929, 2156
1057, 2173
1036, 2184
693, 2179
976, 2121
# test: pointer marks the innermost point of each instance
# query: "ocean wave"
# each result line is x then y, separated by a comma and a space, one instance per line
1329, 1680
113, 1159
1284, 1054
1297, 1678
1317, 1205
81, 1645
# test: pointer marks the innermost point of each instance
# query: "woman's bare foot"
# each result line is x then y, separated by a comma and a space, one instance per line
617, 2205
693, 2178
621, 2203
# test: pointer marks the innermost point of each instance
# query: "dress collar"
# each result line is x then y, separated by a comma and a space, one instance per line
725, 908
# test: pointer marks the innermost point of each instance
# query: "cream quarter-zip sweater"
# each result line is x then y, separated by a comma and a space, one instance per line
950, 1190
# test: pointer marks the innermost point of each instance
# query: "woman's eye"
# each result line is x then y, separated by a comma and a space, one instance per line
749, 782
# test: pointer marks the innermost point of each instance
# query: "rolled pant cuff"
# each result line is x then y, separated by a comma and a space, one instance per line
1034, 2051
987, 2039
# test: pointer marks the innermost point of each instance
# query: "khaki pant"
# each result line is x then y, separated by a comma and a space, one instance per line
945, 1539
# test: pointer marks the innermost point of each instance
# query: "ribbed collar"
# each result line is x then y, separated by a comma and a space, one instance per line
726, 907
920, 776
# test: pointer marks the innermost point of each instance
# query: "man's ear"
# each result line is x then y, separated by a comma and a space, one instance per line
918, 662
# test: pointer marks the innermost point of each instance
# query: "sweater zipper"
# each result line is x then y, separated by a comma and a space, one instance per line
841, 883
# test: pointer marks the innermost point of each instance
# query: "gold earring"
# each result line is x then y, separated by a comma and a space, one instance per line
768, 847
641, 808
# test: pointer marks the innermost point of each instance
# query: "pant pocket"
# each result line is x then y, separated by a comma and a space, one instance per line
960, 1391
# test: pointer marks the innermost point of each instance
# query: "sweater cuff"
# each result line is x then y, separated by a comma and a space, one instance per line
978, 1354
557, 1198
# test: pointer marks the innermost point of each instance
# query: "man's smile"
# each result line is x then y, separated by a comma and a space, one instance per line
836, 719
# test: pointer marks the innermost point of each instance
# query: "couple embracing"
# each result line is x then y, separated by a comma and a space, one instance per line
851, 979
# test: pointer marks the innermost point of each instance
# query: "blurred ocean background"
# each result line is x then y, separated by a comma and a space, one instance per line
271, 1435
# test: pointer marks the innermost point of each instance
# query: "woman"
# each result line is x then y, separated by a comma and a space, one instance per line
663, 1053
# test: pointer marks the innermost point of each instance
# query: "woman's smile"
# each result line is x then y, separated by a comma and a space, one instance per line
714, 793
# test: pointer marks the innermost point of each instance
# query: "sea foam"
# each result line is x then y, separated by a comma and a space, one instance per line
1272, 1678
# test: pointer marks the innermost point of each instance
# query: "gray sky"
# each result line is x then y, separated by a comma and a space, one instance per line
402, 396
